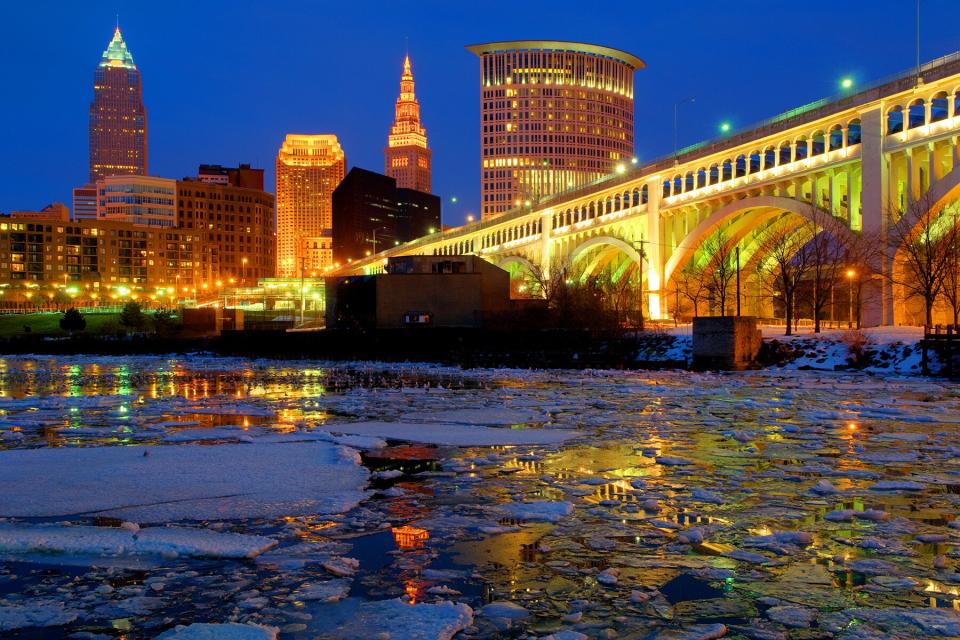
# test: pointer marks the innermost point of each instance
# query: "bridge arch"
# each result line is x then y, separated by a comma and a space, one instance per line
764, 207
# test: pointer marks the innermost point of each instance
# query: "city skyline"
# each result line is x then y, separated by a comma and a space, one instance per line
358, 106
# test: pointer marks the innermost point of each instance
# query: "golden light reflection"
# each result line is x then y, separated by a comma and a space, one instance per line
408, 537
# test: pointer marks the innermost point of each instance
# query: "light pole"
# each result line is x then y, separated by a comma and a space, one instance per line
676, 110
851, 274
738, 280
640, 252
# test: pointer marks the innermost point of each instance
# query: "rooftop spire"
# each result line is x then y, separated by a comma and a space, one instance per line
406, 67
116, 53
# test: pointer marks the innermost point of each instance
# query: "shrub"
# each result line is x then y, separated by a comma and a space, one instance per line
858, 346
73, 320
132, 316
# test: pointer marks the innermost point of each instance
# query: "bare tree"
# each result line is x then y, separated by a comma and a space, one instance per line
921, 243
786, 263
826, 255
951, 284
721, 268
692, 284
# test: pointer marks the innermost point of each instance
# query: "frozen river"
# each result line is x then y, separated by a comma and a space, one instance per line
310, 500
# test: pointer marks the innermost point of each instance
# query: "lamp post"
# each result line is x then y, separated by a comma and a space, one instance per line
638, 245
851, 274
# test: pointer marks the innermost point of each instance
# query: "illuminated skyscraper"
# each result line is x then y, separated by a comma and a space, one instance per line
407, 158
118, 119
553, 116
309, 168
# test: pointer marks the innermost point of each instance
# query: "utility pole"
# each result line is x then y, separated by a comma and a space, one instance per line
738, 280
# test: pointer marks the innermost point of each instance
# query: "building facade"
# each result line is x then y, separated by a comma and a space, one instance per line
243, 176
553, 116
84, 202
309, 168
371, 213
407, 157
118, 119
142, 200
234, 231
420, 291
91, 262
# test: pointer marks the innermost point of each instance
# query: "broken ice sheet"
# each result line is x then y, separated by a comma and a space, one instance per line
639, 541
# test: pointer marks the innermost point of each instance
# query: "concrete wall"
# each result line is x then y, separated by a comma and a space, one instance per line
725, 342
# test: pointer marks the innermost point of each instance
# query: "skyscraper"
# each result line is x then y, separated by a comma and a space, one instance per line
371, 214
553, 116
407, 158
118, 119
309, 168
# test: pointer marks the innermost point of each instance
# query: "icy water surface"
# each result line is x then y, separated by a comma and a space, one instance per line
607, 504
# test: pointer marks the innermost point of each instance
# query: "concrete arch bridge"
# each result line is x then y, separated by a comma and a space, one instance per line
861, 158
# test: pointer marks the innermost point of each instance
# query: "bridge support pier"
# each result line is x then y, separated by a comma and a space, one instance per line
877, 294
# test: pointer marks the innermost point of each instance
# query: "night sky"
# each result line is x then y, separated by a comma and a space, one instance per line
224, 81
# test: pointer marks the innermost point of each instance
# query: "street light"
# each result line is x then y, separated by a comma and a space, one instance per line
846, 83
851, 274
724, 127
469, 217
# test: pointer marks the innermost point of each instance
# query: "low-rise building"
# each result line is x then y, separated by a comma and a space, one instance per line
420, 291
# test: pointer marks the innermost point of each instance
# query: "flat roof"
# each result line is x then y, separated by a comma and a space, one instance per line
558, 45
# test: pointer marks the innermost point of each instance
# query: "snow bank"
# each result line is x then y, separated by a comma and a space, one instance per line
107, 541
230, 631
183, 482
459, 435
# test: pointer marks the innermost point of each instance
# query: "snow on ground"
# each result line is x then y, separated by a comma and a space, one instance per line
229, 631
182, 482
460, 435
115, 541
889, 349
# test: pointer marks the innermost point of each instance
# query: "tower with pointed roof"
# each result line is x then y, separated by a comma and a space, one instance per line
407, 157
118, 119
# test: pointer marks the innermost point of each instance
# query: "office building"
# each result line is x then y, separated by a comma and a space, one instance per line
309, 168
553, 116
118, 119
370, 214
407, 157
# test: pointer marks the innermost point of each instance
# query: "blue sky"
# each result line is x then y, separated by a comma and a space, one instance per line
224, 81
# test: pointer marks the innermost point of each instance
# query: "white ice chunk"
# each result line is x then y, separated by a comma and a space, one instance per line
109, 541
183, 482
